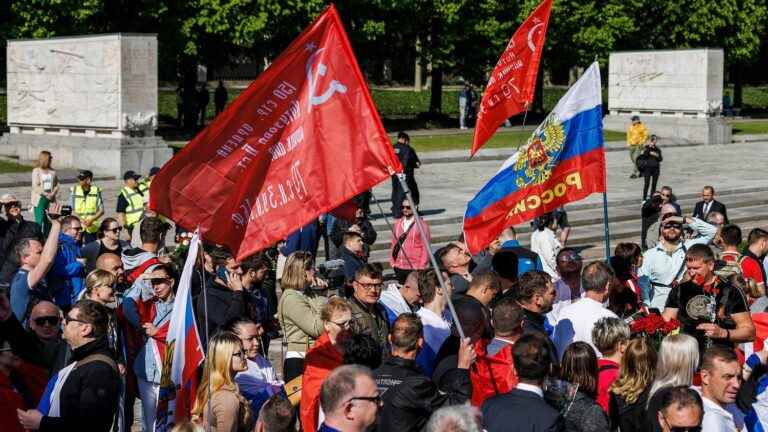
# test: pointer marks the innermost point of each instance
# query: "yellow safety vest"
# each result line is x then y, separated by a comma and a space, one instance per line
144, 189
135, 209
86, 205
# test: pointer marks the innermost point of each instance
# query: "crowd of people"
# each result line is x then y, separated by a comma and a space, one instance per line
509, 339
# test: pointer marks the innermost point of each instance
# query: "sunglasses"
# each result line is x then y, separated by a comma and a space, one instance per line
569, 258
115, 230
76, 228
673, 226
406, 207
47, 320
158, 281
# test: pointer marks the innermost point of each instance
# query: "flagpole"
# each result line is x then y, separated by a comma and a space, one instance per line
431, 255
205, 318
605, 224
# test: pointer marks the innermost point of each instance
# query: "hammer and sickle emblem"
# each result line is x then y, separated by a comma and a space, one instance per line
334, 87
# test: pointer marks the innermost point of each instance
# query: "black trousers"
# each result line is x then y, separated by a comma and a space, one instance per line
648, 176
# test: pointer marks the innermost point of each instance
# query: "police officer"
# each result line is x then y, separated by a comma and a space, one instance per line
130, 203
85, 200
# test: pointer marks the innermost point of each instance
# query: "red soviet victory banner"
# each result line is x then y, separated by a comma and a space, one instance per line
510, 87
301, 140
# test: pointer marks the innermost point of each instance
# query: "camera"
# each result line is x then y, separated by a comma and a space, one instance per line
333, 272
66, 210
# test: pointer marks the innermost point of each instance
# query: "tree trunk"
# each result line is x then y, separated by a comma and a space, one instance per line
417, 68
737, 88
436, 97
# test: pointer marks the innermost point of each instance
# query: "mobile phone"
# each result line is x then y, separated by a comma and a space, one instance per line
221, 273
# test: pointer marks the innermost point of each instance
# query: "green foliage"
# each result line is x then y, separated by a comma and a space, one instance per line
13, 167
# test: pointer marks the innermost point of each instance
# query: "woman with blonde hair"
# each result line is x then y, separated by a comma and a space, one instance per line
100, 286
45, 186
629, 393
677, 363
299, 311
229, 411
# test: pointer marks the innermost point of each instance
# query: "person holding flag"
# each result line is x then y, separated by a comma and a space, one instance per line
563, 161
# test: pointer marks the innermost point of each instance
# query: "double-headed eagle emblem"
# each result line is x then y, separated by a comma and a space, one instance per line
540, 154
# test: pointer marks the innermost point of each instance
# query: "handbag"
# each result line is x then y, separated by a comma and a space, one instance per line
293, 390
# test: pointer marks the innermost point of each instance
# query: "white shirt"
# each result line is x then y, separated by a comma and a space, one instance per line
562, 300
436, 329
546, 245
576, 323
719, 419
530, 388
407, 223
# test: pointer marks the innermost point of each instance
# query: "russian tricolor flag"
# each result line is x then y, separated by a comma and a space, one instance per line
183, 353
563, 161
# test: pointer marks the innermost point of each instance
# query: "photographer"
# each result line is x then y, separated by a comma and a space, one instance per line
360, 225
299, 311
36, 260
12, 232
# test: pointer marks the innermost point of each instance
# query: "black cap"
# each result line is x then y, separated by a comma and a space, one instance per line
131, 174
635, 118
84, 174
153, 171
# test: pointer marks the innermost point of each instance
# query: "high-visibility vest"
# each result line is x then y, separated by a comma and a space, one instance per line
144, 185
135, 209
86, 205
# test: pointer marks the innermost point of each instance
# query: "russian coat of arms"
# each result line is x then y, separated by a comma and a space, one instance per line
539, 155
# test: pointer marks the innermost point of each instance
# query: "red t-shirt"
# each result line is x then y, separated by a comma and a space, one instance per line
609, 371
751, 268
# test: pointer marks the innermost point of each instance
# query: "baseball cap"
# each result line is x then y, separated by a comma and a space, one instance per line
6, 198
84, 174
635, 118
153, 171
131, 174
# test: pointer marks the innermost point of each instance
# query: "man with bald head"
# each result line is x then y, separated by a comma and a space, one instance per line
42, 344
114, 264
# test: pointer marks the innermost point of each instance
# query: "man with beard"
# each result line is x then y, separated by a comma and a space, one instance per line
708, 308
536, 297
664, 264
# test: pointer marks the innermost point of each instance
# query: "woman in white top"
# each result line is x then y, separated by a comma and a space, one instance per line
545, 243
45, 186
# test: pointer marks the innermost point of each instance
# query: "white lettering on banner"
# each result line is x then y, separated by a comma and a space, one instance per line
273, 196
241, 134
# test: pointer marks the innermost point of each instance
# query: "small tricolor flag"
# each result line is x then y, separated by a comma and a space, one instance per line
183, 353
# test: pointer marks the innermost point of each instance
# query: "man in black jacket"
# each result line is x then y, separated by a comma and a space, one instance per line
709, 204
88, 398
536, 296
41, 344
410, 161
409, 397
12, 231
524, 408
226, 295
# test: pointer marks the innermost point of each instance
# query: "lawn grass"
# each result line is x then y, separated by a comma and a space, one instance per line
501, 139
7, 167
756, 127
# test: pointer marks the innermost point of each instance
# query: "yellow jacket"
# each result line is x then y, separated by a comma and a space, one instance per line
637, 134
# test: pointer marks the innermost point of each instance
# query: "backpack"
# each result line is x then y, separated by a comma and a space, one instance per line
730, 271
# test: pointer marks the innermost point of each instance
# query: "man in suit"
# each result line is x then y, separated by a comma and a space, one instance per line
708, 204
524, 407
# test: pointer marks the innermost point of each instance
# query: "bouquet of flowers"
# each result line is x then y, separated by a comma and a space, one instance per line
653, 327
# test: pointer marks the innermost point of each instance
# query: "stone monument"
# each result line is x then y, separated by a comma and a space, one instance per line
90, 100
678, 94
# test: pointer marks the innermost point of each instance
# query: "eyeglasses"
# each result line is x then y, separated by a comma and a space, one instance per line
375, 399
68, 319
115, 230
346, 325
76, 228
49, 320
569, 258
371, 286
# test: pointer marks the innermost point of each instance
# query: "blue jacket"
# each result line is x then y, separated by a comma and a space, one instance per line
526, 259
304, 239
66, 277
